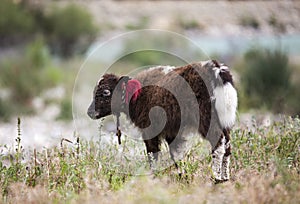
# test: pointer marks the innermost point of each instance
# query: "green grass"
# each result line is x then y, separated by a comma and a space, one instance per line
265, 169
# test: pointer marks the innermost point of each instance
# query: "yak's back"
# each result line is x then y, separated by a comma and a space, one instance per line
153, 75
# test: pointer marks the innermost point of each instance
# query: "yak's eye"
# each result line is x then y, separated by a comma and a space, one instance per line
106, 92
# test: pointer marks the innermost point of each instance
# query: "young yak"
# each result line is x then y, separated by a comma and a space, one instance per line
198, 97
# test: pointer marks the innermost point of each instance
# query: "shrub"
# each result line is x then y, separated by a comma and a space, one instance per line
65, 110
70, 28
22, 81
278, 26
27, 77
189, 24
266, 78
37, 53
15, 23
5, 110
249, 21
141, 24
293, 105
152, 50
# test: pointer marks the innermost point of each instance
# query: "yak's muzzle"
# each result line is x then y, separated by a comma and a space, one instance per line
92, 113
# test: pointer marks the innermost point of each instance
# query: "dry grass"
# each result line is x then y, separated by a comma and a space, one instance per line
265, 169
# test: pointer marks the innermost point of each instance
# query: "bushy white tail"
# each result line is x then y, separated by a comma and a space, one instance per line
226, 104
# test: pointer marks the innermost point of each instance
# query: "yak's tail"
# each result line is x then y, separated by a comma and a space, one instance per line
224, 93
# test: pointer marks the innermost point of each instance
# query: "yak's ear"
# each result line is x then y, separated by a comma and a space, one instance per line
124, 79
121, 81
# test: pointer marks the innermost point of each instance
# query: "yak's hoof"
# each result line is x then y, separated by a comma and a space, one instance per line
218, 181
183, 176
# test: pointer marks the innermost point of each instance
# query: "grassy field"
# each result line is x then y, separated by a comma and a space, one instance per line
265, 169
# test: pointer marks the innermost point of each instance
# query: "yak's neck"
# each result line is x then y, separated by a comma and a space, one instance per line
135, 107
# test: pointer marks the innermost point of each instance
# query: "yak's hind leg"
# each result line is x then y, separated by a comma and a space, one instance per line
226, 158
217, 140
218, 153
221, 157
216, 137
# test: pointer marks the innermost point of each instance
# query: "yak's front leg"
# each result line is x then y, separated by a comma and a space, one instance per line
175, 150
152, 147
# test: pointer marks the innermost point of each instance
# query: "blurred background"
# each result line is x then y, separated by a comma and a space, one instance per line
44, 43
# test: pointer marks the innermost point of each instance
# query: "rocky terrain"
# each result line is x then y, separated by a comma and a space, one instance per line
207, 17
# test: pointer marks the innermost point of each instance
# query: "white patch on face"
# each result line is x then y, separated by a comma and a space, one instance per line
226, 104
99, 80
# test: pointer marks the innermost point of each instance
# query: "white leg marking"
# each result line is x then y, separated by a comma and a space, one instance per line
225, 168
226, 104
217, 160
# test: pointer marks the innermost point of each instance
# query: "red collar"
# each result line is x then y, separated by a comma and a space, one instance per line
131, 90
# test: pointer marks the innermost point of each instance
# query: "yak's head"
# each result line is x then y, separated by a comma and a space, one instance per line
110, 93
102, 97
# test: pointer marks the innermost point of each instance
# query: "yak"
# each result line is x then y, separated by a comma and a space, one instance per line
198, 97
